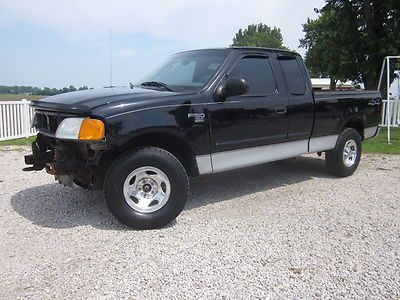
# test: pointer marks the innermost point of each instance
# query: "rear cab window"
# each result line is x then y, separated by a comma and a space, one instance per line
294, 75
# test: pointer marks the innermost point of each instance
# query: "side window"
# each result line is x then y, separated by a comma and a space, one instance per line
258, 73
294, 76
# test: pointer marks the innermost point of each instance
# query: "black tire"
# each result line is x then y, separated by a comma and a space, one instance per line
334, 159
81, 183
129, 162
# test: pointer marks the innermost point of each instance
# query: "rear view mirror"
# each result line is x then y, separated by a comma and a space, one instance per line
231, 87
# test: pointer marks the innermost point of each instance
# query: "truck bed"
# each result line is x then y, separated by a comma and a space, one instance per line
337, 109
361, 94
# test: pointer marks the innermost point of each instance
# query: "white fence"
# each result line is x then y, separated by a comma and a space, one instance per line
15, 120
393, 115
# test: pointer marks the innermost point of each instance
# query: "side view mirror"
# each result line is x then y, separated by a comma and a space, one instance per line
231, 87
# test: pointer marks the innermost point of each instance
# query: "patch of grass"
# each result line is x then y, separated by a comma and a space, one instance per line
379, 144
21, 141
19, 97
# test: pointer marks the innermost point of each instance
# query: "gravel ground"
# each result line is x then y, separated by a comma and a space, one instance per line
280, 230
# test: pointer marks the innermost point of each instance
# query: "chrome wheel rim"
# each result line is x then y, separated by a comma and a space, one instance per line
350, 153
147, 189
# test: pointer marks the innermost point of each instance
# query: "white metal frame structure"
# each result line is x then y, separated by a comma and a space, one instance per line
391, 107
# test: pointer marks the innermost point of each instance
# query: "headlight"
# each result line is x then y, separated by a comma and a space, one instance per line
81, 129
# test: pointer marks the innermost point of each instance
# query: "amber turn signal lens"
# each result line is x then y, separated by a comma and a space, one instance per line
91, 129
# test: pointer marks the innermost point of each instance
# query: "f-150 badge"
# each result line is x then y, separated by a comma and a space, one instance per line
198, 117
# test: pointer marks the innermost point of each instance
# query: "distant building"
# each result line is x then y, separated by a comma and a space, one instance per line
322, 84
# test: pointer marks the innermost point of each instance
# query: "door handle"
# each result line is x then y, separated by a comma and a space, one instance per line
280, 109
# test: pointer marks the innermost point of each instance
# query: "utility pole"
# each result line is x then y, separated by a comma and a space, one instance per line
110, 58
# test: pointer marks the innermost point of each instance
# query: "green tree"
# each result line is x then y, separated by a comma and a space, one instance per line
259, 35
350, 39
16, 89
326, 57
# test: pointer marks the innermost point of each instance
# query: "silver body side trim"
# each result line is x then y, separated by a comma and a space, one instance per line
204, 164
370, 132
323, 143
229, 160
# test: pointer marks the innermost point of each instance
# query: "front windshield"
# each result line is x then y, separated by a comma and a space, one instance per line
188, 70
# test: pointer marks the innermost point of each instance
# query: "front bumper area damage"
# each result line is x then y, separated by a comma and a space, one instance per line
67, 160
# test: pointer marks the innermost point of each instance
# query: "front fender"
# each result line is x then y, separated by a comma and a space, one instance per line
177, 120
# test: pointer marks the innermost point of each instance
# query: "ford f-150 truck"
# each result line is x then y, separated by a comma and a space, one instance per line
202, 112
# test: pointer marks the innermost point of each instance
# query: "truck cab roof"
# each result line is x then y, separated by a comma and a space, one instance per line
247, 49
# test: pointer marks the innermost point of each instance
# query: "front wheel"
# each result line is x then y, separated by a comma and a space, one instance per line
344, 159
146, 188
81, 183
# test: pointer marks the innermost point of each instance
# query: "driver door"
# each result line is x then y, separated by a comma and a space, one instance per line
249, 121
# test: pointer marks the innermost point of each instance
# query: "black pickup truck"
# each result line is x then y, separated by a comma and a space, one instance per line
202, 112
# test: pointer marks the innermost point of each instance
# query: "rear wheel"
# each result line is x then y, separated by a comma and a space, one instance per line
344, 159
146, 188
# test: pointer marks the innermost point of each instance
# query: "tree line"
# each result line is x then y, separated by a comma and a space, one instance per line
347, 41
46, 91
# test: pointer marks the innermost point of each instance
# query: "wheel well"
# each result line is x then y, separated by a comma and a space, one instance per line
357, 125
173, 144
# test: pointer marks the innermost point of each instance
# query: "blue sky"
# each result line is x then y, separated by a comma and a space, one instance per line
56, 43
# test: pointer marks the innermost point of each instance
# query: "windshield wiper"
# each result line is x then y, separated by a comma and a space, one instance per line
157, 84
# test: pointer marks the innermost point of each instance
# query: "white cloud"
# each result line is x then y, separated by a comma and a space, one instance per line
205, 23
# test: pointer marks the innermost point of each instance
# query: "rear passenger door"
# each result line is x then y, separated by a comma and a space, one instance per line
254, 119
301, 101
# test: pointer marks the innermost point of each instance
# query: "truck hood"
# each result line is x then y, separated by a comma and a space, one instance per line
83, 102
